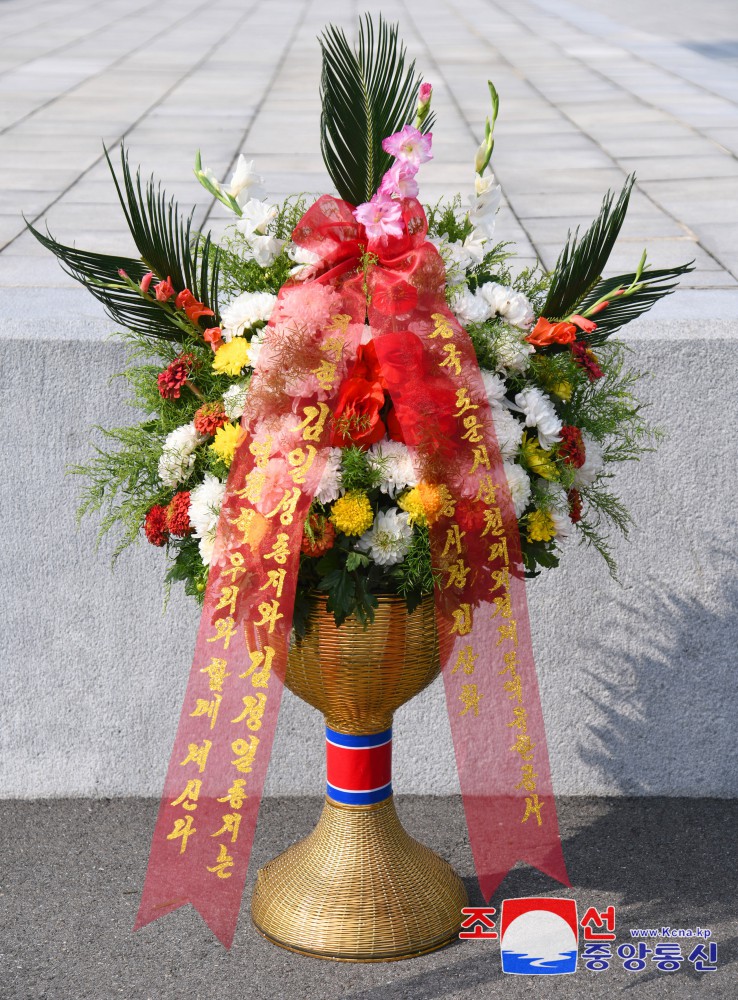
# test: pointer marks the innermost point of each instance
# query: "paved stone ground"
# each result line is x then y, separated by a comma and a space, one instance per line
588, 95
73, 871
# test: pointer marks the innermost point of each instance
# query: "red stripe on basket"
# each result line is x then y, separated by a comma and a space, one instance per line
359, 769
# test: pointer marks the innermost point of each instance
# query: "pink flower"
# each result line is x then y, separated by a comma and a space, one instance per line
409, 145
380, 217
164, 290
424, 94
146, 281
400, 180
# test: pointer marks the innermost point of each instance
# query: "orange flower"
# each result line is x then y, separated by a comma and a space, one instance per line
545, 333
194, 309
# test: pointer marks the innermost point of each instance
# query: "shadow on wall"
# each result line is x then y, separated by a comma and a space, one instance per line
664, 693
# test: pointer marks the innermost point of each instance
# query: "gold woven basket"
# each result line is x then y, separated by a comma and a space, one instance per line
359, 888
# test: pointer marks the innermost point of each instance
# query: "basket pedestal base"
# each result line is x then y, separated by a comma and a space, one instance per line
360, 889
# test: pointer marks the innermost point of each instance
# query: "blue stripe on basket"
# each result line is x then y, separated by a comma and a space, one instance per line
352, 742
359, 798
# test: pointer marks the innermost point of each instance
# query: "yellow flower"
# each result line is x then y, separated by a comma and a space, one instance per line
537, 460
352, 514
561, 389
230, 358
541, 527
226, 441
423, 503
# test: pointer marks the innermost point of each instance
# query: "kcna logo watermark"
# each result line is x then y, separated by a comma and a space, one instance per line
540, 937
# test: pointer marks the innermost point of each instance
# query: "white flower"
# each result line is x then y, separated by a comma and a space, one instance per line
540, 413
563, 526
519, 483
456, 259
329, 488
205, 503
256, 216
177, 457
470, 308
494, 386
264, 249
245, 311
234, 398
245, 184
388, 540
511, 305
593, 462
255, 346
393, 459
474, 246
513, 350
508, 431
558, 508
304, 259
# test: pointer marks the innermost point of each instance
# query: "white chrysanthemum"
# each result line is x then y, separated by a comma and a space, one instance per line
494, 386
508, 431
177, 457
540, 413
511, 305
388, 540
512, 349
245, 184
329, 488
393, 459
234, 398
245, 312
255, 345
205, 503
470, 308
519, 483
593, 463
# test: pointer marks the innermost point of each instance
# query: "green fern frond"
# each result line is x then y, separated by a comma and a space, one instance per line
582, 261
367, 94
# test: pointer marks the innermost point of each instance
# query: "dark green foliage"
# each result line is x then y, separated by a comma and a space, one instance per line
582, 261
168, 247
368, 93
650, 286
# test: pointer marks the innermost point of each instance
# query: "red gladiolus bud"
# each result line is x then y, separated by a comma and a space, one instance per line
599, 307
122, 273
146, 281
585, 325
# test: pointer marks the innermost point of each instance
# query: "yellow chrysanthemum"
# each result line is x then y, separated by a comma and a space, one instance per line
225, 442
538, 461
423, 503
562, 389
352, 514
230, 358
541, 527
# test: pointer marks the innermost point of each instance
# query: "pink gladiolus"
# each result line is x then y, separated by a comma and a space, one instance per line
400, 180
164, 290
380, 217
146, 281
122, 273
424, 94
409, 145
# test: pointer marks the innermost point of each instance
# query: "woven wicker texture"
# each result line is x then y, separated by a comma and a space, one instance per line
359, 887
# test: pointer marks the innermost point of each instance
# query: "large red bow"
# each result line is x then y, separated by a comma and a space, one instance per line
204, 831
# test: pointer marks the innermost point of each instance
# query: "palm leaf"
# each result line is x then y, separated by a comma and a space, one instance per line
367, 94
582, 261
168, 247
650, 287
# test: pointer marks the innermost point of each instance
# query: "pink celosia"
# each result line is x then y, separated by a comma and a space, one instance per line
380, 217
400, 180
409, 145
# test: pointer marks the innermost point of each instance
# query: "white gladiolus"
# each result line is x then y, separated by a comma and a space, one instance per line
264, 249
540, 413
177, 457
205, 503
245, 184
388, 540
255, 218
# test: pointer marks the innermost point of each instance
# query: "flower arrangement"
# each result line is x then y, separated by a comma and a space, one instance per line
560, 389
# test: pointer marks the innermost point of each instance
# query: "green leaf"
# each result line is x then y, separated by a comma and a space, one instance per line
368, 93
582, 261
356, 559
168, 247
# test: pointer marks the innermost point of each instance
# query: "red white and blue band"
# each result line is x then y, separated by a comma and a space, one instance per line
358, 768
